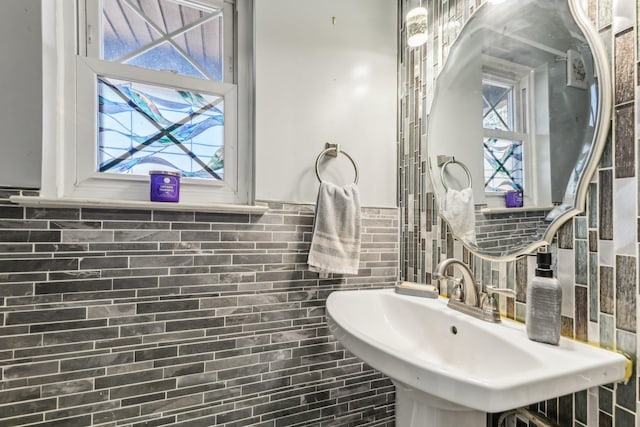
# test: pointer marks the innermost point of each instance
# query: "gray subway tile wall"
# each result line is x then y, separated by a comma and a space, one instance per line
143, 318
596, 253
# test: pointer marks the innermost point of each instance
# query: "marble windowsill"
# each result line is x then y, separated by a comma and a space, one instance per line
37, 201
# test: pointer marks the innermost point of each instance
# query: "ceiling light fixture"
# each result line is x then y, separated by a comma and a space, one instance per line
417, 26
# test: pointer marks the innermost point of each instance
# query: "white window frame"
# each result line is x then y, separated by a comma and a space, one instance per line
535, 191
70, 116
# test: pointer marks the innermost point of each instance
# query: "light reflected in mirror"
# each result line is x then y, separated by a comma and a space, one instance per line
517, 124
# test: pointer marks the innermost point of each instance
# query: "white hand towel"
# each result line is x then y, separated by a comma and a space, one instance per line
335, 245
459, 211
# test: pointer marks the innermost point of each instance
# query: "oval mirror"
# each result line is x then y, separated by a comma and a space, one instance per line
519, 118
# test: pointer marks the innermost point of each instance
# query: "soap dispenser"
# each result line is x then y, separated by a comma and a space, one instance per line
544, 302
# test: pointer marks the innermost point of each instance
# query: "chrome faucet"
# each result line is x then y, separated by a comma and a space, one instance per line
467, 296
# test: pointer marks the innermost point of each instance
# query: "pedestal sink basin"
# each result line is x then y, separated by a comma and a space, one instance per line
449, 369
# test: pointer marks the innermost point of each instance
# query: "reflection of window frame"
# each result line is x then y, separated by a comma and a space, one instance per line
75, 176
519, 113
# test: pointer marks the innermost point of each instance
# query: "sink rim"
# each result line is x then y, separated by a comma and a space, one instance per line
588, 366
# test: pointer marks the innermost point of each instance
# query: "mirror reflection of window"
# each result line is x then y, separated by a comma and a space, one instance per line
503, 122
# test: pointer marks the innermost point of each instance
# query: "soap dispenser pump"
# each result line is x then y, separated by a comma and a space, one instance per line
544, 303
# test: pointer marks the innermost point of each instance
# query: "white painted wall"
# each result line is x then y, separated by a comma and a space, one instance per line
322, 81
21, 89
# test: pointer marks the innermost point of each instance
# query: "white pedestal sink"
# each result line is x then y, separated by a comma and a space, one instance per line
416, 408
450, 369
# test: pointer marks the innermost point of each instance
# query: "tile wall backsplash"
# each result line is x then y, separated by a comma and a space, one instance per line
596, 253
148, 318
494, 236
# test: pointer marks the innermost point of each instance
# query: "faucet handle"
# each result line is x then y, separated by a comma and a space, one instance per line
457, 293
490, 303
502, 291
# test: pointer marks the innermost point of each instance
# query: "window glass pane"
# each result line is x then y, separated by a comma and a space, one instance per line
502, 165
165, 13
142, 127
497, 107
168, 57
493, 120
208, 55
124, 31
164, 35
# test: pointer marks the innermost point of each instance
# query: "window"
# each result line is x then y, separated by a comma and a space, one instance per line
503, 120
156, 85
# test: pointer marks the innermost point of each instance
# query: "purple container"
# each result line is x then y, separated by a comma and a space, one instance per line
513, 199
165, 186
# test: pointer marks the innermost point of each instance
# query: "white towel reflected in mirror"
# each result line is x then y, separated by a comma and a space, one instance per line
459, 211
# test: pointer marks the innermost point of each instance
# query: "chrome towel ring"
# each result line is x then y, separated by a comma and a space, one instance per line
444, 161
333, 150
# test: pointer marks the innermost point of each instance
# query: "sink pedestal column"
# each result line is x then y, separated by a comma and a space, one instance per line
418, 409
